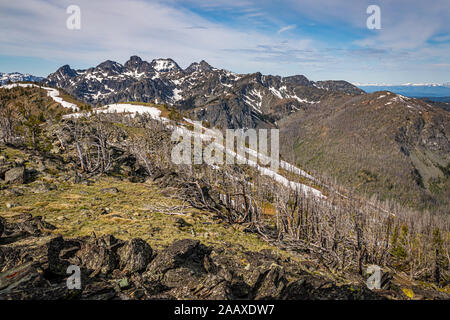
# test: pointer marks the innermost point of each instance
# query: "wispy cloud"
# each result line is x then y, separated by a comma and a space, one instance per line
287, 28
442, 38
197, 27
441, 65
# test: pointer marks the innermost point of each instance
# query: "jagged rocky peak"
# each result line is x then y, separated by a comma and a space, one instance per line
298, 80
256, 77
110, 67
62, 77
66, 71
203, 66
165, 65
133, 63
136, 64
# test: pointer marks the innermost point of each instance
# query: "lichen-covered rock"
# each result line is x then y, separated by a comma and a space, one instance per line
213, 287
41, 187
181, 252
181, 277
9, 257
97, 258
135, 255
268, 283
110, 242
15, 175
36, 226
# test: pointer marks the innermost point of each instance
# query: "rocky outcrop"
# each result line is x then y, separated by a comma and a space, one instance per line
116, 269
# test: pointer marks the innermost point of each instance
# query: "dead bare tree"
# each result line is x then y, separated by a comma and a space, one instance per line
7, 123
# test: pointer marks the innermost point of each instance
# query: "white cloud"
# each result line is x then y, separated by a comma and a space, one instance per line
112, 29
116, 29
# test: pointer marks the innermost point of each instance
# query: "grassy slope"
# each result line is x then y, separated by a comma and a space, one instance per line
32, 98
137, 210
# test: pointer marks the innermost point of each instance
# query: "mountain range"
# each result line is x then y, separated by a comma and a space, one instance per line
17, 77
433, 91
409, 84
219, 96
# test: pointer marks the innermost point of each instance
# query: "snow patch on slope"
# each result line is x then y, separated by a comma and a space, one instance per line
131, 109
53, 93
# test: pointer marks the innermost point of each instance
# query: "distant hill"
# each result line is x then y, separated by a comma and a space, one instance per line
379, 143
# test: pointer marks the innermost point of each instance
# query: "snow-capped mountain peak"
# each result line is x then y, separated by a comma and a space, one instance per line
165, 65
17, 77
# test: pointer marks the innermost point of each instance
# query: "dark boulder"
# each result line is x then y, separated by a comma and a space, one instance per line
181, 223
314, 288
97, 258
2, 226
61, 254
55, 264
186, 252
135, 255
36, 226
41, 187
268, 282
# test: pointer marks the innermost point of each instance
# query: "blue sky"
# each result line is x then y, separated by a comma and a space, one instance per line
322, 39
